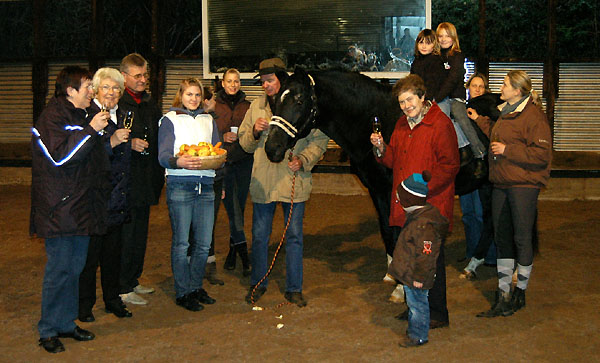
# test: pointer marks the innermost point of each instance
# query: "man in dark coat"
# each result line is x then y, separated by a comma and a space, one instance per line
147, 176
69, 188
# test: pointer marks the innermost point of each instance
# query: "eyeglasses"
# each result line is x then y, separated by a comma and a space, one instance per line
139, 76
107, 88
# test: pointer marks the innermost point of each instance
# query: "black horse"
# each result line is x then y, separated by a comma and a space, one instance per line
342, 105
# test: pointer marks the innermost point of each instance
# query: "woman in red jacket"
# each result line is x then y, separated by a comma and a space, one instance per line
424, 139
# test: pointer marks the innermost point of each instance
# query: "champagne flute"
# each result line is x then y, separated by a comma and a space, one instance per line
376, 125
495, 138
128, 121
377, 130
145, 138
102, 109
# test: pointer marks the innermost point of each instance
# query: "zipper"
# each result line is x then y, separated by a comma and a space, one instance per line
62, 201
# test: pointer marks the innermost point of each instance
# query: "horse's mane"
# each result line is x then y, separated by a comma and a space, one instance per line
355, 90
357, 98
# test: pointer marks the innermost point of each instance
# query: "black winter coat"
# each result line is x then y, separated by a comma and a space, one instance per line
486, 105
430, 68
453, 83
147, 176
119, 158
69, 174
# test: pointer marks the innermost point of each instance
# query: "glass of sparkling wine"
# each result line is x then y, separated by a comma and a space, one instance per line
145, 138
495, 138
128, 121
376, 125
102, 109
377, 130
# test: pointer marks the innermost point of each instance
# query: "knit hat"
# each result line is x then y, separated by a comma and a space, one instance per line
270, 66
413, 190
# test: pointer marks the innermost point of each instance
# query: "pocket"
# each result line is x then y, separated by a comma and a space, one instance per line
181, 191
56, 207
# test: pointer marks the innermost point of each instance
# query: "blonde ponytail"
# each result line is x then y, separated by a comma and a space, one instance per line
535, 98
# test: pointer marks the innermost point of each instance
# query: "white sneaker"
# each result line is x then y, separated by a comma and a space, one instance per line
139, 289
133, 298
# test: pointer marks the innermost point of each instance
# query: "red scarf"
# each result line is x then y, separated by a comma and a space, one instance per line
137, 96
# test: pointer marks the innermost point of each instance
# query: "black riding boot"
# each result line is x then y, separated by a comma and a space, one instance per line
517, 301
210, 274
230, 259
501, 306
242, 250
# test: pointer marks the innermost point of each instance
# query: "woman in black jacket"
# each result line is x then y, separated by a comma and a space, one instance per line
69, 181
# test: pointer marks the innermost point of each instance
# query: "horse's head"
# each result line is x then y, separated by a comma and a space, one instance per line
293, 116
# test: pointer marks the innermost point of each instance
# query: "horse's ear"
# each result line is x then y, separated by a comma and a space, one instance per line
300, 71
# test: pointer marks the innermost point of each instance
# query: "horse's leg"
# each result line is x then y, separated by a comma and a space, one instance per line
377, 180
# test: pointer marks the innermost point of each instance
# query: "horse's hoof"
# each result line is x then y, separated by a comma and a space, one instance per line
468, 275
397, 295
388, 279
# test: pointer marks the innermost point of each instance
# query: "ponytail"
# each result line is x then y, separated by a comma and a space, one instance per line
535, 98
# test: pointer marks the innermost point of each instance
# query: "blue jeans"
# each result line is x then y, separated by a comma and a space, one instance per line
472, 218
60, 289
446, 106
262, 224
459, 115
190, 204
418, 313
237, 184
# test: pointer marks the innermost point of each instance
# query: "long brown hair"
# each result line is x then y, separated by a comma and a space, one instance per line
427, 36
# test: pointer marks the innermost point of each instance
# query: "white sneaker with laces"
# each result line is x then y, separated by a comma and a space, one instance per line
139, 289
133, 298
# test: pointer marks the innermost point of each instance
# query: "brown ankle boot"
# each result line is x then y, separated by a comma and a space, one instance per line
210, 274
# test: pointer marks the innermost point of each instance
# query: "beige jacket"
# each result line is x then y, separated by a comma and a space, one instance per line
272, 182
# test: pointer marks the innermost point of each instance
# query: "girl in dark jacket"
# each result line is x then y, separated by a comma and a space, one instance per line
428, 63
451, 94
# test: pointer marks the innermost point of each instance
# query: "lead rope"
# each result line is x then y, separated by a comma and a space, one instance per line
280, 241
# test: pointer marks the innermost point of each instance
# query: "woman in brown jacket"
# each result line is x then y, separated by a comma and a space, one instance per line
520, 157
230, 109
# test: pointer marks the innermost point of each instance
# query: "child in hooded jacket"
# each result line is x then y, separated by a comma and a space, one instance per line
416, 253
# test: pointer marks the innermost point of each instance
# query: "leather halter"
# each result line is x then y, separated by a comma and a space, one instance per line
288, 127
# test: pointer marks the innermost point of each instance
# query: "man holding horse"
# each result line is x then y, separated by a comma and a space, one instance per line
286, 182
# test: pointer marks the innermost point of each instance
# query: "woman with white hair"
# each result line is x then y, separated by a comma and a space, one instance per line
105, 250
